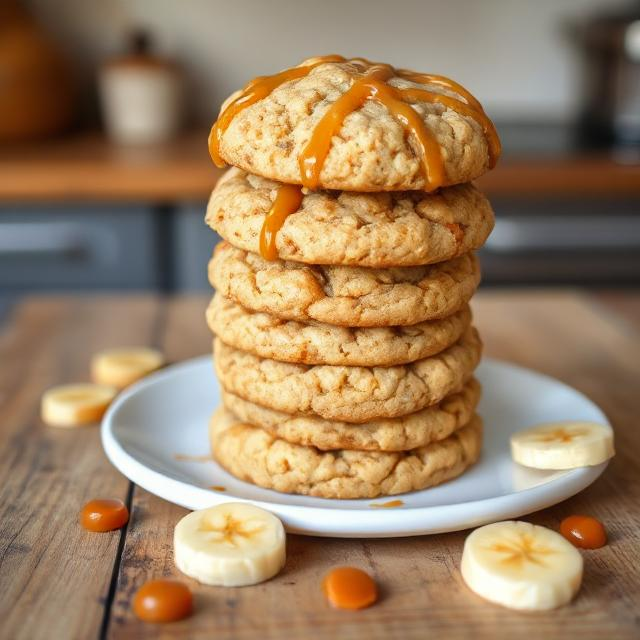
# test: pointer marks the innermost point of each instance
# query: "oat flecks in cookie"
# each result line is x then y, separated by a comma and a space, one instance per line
254, 455
271, 337
351, 394
355, 229
347, 358
372, 151
344, 296
385, 434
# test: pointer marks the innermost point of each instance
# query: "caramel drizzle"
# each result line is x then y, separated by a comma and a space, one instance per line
287, 201
387, 505
442, 81
370, 86
465, 109
255, 90
185, 457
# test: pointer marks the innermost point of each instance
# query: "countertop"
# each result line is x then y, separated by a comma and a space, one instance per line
59, 581
86, 167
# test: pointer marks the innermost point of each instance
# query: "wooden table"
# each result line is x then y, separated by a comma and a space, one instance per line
58, 581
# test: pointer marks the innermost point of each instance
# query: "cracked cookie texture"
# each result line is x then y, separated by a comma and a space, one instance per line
350, 394
271, 337
384, 229
254, 455
344, 296
384, 434
371, 151
344, 343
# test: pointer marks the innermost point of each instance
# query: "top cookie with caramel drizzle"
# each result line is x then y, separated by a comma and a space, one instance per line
368, 82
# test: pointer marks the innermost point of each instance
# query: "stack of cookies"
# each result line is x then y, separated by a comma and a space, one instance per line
344, 344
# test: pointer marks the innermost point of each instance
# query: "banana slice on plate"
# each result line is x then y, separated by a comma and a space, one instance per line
122, 367
563, 445
521, 566
231, 545
74, 405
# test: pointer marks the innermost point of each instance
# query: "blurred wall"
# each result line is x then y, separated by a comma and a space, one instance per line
515, 55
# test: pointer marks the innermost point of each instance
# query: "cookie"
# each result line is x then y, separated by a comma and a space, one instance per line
254, 455
386, 434
403, 130
349, 394
344, 296
397, 229
267, 336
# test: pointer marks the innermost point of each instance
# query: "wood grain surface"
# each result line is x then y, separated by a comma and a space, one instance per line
54, 576
56, 581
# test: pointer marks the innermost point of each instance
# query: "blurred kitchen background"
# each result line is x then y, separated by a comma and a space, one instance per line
105, 107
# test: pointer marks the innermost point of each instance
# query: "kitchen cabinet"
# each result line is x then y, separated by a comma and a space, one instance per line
562, 240
192, 244
79, 247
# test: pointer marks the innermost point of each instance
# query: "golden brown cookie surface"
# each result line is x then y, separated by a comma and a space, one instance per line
349, 394
271, 337
253, 455
344, 296
406, 131
386, 434
356, 229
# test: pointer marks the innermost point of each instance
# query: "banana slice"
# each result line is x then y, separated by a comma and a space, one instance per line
74, 405
122, 367
563, 445
521, 566
232, 545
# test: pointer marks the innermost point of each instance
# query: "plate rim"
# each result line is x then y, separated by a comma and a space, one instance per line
365, 523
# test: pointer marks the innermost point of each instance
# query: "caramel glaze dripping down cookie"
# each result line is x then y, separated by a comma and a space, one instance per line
369, 83
371, 76
372, 85
287, 201
255, 90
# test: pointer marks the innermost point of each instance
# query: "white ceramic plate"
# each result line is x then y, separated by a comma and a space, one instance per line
151, 427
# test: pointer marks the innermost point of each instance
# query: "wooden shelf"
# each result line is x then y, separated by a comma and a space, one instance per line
587, 175
88, 167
